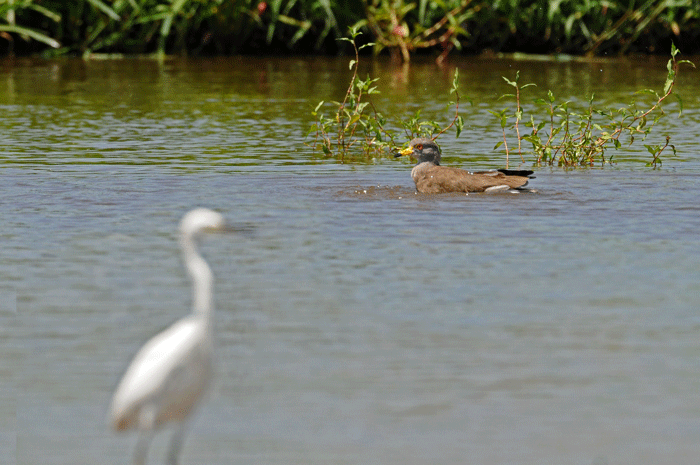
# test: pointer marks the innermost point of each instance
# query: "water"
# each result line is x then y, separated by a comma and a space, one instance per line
361, 322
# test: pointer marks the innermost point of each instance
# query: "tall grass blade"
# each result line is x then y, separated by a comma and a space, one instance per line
167, 24
421, 11
53, 16
104, 9
38, 36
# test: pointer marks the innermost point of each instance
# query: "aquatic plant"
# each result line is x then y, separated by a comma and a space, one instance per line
569, 138
356, 122
564, 138
415, 127
356, 129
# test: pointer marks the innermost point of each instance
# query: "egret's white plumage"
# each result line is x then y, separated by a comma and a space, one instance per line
171, 371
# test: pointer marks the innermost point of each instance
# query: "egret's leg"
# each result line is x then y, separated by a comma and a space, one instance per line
146, 431
141, 450
176, 442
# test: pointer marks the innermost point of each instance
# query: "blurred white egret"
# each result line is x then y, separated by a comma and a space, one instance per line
170, 373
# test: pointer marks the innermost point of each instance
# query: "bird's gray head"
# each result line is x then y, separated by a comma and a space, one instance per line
201, 220
423, 149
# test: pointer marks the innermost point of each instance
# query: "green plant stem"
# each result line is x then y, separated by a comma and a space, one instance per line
518, 113
505, 145
657, 156
618, 132
456, 118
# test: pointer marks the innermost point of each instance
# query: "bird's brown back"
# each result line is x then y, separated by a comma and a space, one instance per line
435, 179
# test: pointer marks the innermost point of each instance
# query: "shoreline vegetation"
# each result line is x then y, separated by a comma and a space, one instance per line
400, 28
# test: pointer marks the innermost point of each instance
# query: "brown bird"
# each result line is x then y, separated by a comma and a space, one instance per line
431, 178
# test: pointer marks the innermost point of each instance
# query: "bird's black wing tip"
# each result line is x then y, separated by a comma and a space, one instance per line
524, 173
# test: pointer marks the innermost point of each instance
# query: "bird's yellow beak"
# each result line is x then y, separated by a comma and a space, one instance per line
406, 151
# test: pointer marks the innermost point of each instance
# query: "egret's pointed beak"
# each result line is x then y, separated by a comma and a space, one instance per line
242, 229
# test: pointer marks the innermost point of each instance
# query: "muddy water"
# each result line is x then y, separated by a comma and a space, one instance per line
361, 322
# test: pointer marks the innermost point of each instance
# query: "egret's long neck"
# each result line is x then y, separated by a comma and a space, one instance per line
201, 278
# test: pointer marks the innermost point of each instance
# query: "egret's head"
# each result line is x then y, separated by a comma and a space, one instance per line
201, 220
423, 149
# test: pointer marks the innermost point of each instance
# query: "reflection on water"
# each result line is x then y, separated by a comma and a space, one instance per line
239, 111
361, 323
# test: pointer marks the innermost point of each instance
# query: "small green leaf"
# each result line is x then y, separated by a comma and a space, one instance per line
497, 145
680, 104
646, 91
669, 82
355, 118
352, 63
509, 82
671, 76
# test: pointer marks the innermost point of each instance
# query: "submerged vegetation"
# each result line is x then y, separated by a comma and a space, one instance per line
302, 26
565, 137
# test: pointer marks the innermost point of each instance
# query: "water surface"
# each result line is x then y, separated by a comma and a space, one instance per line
362, 322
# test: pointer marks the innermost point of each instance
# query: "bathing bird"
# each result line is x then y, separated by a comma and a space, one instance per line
432, 178
170, 373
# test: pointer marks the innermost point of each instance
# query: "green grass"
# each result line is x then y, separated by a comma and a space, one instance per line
206, 27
